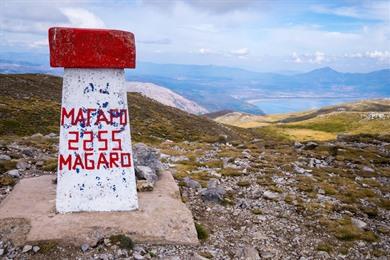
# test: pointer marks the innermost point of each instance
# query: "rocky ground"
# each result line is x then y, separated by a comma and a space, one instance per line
261, 199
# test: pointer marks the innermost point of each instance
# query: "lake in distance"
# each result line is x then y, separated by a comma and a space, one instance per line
288, 105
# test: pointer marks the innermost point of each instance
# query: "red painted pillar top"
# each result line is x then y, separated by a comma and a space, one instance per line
91, 48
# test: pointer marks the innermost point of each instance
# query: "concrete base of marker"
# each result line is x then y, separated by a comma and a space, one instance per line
28, 215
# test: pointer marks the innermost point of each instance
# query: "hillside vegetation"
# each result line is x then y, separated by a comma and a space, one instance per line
368, 117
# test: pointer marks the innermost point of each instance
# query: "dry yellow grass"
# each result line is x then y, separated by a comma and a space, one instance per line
307, 134
321, 127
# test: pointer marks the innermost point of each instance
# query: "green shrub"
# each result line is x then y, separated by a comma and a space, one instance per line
203, 233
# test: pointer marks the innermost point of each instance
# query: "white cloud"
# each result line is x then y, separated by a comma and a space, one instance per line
379, 10
353, 55
380, 55
295, 58
317, 57
205, 51
36, 17
215, 6
242, 52
79, 17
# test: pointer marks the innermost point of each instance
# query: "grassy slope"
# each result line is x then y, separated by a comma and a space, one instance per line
322, 124
30, 103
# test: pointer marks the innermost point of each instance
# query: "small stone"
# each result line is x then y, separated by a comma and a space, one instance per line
270, 195
179, 158
140, 250
248, 253
211, 184
323, 255
23, 165
51, 135
297, 145
299, 169
190, 183
196, 256
121, 252
138, 256
267, 255
213, 192
359, 223
107, 242
84, 247
39, 163
146, 173
2, 252
36, 249
146, 156
14, 173
37, 136
26, 248
368, 169
310, 145
28, 152
214, 174
144, 185
5, 157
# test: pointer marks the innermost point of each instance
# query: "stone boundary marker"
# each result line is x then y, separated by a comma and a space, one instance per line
95, 195
95, 162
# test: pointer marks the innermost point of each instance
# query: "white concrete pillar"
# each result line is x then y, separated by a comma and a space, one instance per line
95, 163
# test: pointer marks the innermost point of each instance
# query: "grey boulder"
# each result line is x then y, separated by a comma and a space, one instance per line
213, 192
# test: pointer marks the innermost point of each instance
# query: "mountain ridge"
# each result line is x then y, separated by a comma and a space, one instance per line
165, 96
219, 88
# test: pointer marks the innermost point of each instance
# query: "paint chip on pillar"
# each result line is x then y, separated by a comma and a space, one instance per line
95, 162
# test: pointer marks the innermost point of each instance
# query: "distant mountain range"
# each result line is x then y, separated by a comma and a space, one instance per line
224, 88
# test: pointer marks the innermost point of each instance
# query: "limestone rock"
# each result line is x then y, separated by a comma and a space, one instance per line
190, 183
144, 185
37, 136
146, 173
14, 173
147, 156
5, 157
26, 248
359, 223
84, 247
248, 253
28, 152
310, 145
271, 195
196, 256
213, 192
23, 165
368, 169
147, 166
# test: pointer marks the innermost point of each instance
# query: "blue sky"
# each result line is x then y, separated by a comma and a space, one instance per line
259, 35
